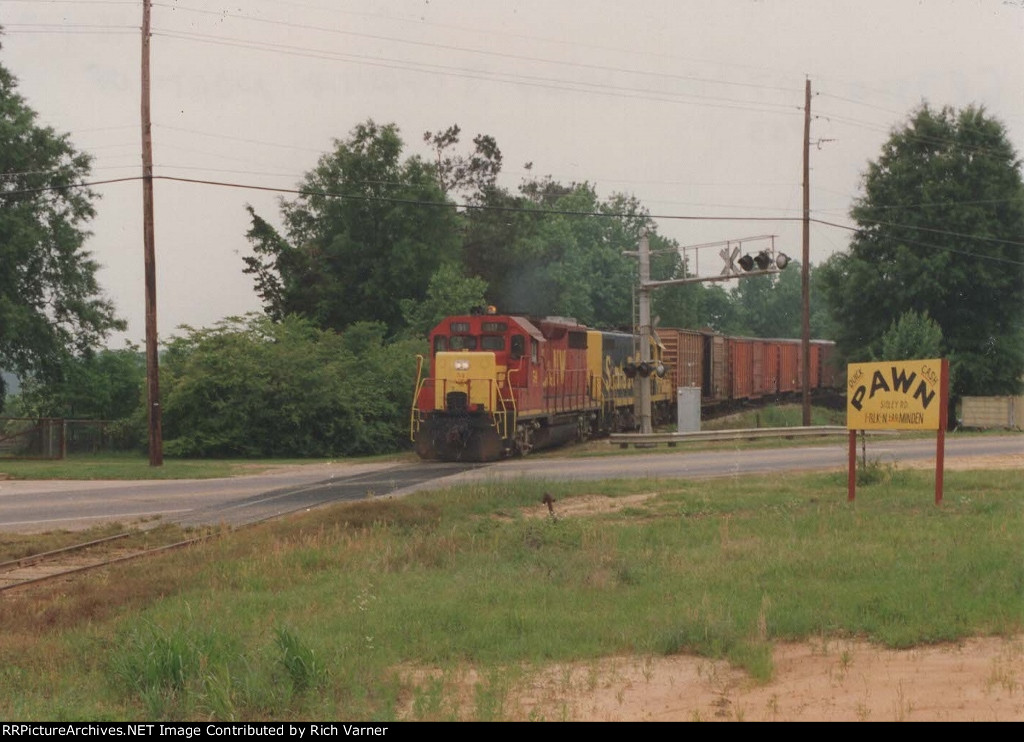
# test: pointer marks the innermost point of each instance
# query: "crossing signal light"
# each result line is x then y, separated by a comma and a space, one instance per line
763, 261
644, 369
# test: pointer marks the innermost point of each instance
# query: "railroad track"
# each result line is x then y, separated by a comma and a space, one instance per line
83, 557
245, 511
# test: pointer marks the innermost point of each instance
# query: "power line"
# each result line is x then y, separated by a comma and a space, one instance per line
543, 212
68, 28
419, 21
576, 86
483, 52
944, 248
923, 205
73, 2
260, 142
855, 102
908, 133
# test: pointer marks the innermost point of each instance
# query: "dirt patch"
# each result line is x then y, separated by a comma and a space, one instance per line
581, 505
976, 680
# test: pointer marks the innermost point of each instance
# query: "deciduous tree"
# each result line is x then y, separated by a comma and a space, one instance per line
941, 230
559, 249
368, 230
911, 337
51, 306
449, 292
474, 174
107, 385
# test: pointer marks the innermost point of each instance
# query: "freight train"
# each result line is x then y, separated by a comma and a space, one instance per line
501, 385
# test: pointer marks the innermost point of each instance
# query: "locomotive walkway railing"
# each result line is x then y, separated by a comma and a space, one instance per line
624, 440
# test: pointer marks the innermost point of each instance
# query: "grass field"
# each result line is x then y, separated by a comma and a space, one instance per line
366, 611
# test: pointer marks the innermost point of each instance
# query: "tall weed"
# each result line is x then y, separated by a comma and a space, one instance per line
300, 663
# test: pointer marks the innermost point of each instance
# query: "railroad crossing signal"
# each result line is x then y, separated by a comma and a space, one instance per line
643, 369
764, 261
729, 256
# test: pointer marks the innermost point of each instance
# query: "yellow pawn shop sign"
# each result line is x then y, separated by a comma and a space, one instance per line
898, 395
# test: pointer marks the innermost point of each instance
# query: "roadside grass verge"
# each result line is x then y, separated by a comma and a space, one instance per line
136, 466
381, 609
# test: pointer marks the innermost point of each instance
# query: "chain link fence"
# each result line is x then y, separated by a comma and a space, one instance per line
55, 438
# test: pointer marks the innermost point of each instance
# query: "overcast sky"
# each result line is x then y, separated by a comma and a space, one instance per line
693, 106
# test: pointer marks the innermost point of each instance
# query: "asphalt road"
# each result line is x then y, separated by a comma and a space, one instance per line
831, 454
34, 506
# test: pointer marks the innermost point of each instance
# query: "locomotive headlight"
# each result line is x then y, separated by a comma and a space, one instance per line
462, 365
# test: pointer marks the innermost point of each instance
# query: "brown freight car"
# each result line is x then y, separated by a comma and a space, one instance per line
732, 370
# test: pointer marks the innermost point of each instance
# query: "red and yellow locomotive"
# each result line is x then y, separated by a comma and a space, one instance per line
501, 385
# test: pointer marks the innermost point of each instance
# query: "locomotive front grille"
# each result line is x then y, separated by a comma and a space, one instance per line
457, 402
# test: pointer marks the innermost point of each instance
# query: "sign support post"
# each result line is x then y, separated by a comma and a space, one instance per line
940, 444
851, 478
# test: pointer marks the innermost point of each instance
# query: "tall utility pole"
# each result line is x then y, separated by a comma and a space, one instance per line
156, 446
645, 333
805, 267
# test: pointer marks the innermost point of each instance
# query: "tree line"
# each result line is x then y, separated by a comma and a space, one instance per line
379, 236
379, 245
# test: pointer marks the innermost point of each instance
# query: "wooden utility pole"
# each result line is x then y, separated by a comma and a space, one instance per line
644, 398
805, 267
156, 446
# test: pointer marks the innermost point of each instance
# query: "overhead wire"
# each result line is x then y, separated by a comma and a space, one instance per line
478, 51
576, 86
69, 28
71, 2
541, 212
909, 133
535, 81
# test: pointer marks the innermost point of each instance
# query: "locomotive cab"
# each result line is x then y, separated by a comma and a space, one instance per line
481, 369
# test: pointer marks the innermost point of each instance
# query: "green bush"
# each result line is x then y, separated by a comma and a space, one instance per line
252, 387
